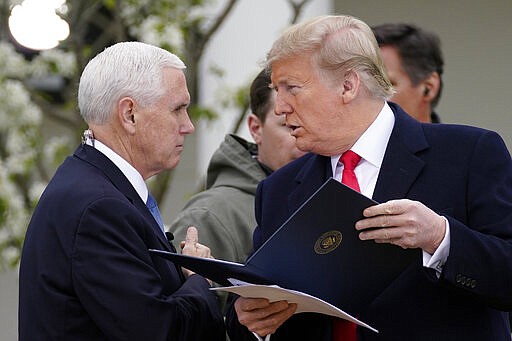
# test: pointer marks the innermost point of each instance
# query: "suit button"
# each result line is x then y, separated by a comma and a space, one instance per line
458, 279
473, 284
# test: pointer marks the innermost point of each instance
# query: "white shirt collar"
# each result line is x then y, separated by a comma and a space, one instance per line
371, 146
128, 170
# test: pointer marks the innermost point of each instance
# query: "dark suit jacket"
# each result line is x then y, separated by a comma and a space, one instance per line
463, 173
86, 273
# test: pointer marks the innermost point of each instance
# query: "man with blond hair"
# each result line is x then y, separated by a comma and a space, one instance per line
444, 190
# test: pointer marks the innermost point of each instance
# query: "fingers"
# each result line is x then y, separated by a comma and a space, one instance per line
391, 207
262, 317
269, 325
388, 226
192, 235
243, 304
191, 246
406, 223
389, 215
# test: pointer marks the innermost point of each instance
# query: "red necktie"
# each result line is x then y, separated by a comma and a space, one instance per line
343, 330
349, 159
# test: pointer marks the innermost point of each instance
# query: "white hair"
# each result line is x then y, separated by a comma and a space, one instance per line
127, 69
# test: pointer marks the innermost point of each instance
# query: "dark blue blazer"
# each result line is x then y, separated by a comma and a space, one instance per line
86, 273
463, 173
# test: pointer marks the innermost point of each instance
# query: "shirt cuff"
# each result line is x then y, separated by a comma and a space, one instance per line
438, 259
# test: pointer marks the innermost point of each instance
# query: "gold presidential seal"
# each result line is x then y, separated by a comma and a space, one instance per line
328, 242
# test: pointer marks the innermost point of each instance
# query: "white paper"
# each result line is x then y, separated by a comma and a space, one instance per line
305, 303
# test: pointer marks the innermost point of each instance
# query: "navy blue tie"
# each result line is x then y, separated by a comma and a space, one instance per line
153, 208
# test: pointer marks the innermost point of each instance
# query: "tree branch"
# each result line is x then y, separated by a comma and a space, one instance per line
240, 118
216, 24
297, 9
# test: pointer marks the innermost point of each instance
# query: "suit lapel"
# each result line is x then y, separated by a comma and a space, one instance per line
312, 175
401, 165
114, 174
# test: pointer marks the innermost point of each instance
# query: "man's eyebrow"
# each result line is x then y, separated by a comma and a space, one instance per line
182, 105
273, 86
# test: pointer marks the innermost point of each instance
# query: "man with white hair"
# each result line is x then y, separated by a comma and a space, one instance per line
86, 272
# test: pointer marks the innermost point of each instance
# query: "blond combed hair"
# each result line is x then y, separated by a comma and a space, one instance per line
338, 44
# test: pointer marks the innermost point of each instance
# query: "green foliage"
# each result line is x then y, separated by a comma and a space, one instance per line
241, 98
198, 112
28, 153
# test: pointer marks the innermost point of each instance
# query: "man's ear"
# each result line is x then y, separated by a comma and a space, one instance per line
126, 114
255, 126
350, 86
431, 86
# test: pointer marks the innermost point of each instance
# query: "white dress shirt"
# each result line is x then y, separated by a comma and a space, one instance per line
128, 170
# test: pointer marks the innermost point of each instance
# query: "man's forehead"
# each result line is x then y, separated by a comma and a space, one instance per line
288, 76
290, 69
181, 98
283, 75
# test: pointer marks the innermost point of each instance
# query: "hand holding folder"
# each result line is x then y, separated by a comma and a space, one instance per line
305, 303
316, 251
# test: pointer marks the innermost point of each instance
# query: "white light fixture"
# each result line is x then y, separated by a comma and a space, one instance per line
35, 25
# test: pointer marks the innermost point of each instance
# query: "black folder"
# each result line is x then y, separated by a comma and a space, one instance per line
317, 251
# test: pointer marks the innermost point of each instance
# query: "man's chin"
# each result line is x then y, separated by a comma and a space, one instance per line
303, 152
172, 163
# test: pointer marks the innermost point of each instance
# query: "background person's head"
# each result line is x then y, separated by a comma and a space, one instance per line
134, 98
330, 81
276, 146
414, 63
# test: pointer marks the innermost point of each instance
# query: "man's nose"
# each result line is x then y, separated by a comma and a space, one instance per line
187, 127
282, 107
